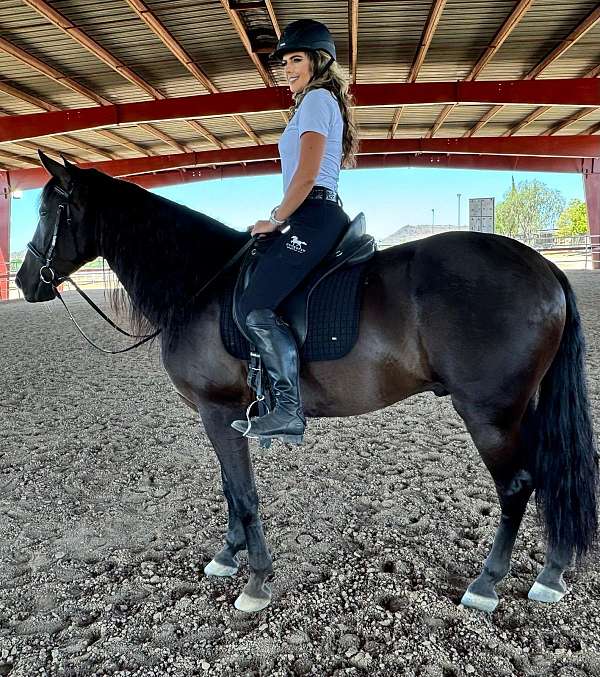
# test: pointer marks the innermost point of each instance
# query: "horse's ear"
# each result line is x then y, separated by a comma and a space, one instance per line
68, 165
55, 169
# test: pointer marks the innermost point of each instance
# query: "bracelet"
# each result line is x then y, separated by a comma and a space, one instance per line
275, 221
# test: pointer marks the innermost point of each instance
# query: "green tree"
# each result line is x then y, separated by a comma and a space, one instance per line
528, 207
574, 219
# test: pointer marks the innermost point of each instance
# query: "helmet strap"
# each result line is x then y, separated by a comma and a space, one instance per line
325, 69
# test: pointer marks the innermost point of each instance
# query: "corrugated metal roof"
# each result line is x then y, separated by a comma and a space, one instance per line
389, 35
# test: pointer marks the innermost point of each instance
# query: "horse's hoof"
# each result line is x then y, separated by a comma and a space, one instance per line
251, 604
213, 568
542, 593
479, 602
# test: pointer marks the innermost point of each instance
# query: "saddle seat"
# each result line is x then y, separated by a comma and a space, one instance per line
355, 246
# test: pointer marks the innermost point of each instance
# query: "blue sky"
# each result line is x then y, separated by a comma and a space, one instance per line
390, 198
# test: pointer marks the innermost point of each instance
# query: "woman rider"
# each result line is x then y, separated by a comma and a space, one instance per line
308, 223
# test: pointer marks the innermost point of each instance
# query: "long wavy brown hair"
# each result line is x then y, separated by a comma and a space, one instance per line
335, 80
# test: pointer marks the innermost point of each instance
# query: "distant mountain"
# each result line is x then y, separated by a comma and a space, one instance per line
409, 233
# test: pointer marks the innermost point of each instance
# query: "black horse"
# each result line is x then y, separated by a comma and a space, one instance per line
481, 318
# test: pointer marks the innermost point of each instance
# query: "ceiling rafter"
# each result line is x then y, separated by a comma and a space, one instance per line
45, 105
240, 29
50, 72
594, 129
194, 124
435, 14
78, 143
31, 145
353, 37
395, 122
5, 156
574, 36
121, 140
594, 72
171, 43
68, 27
584, 112
150, 129
498, 40
28, 98
232, 12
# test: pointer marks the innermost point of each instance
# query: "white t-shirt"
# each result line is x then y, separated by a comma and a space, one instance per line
319, 112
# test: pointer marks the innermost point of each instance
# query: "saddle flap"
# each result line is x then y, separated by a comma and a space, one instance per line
354, 247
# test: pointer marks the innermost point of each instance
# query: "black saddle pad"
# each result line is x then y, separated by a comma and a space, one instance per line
333, 314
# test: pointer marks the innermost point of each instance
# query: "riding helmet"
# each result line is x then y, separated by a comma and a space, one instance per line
304, 35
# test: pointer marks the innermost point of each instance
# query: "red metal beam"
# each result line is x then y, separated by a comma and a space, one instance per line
4, 235
175, 177
574, 92
502, 163
591, 183
433, 161
575, 147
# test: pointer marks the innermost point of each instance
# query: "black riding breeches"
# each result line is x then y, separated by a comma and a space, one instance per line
288, 258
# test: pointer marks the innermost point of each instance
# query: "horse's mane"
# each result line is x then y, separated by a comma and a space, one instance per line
162, 252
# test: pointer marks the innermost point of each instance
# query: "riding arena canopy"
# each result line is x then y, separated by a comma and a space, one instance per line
168, 91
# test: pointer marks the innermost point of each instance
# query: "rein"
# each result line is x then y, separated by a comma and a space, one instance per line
48, 276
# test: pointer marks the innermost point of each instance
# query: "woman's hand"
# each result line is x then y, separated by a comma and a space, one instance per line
262, 226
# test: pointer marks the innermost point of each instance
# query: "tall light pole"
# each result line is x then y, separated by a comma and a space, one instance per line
458, 196
432, 219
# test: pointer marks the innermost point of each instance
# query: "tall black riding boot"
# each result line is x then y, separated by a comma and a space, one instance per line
277, 348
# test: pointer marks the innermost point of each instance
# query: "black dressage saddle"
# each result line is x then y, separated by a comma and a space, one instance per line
354, 247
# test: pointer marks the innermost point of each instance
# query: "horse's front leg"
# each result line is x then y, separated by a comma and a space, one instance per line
225, 562
245, 528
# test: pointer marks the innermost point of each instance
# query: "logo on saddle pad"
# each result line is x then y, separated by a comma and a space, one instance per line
296, 245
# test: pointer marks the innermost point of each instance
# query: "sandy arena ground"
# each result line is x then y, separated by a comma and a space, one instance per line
110, 506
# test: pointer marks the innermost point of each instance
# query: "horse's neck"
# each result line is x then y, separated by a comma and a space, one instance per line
161, 252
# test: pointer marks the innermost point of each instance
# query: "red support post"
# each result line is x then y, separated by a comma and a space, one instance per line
591, 184
4, 235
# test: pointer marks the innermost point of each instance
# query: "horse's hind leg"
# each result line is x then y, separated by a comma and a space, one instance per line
550, 586
505, 458
245, 528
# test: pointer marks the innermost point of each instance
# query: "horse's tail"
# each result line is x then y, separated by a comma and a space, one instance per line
565, 459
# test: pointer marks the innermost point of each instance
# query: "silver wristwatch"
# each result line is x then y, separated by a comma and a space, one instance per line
278, 222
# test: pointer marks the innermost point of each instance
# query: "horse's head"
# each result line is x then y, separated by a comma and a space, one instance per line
61, 243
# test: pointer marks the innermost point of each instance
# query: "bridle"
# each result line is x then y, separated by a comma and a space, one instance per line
48, 275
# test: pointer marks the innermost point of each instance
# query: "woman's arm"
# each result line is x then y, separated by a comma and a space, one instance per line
312, 149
